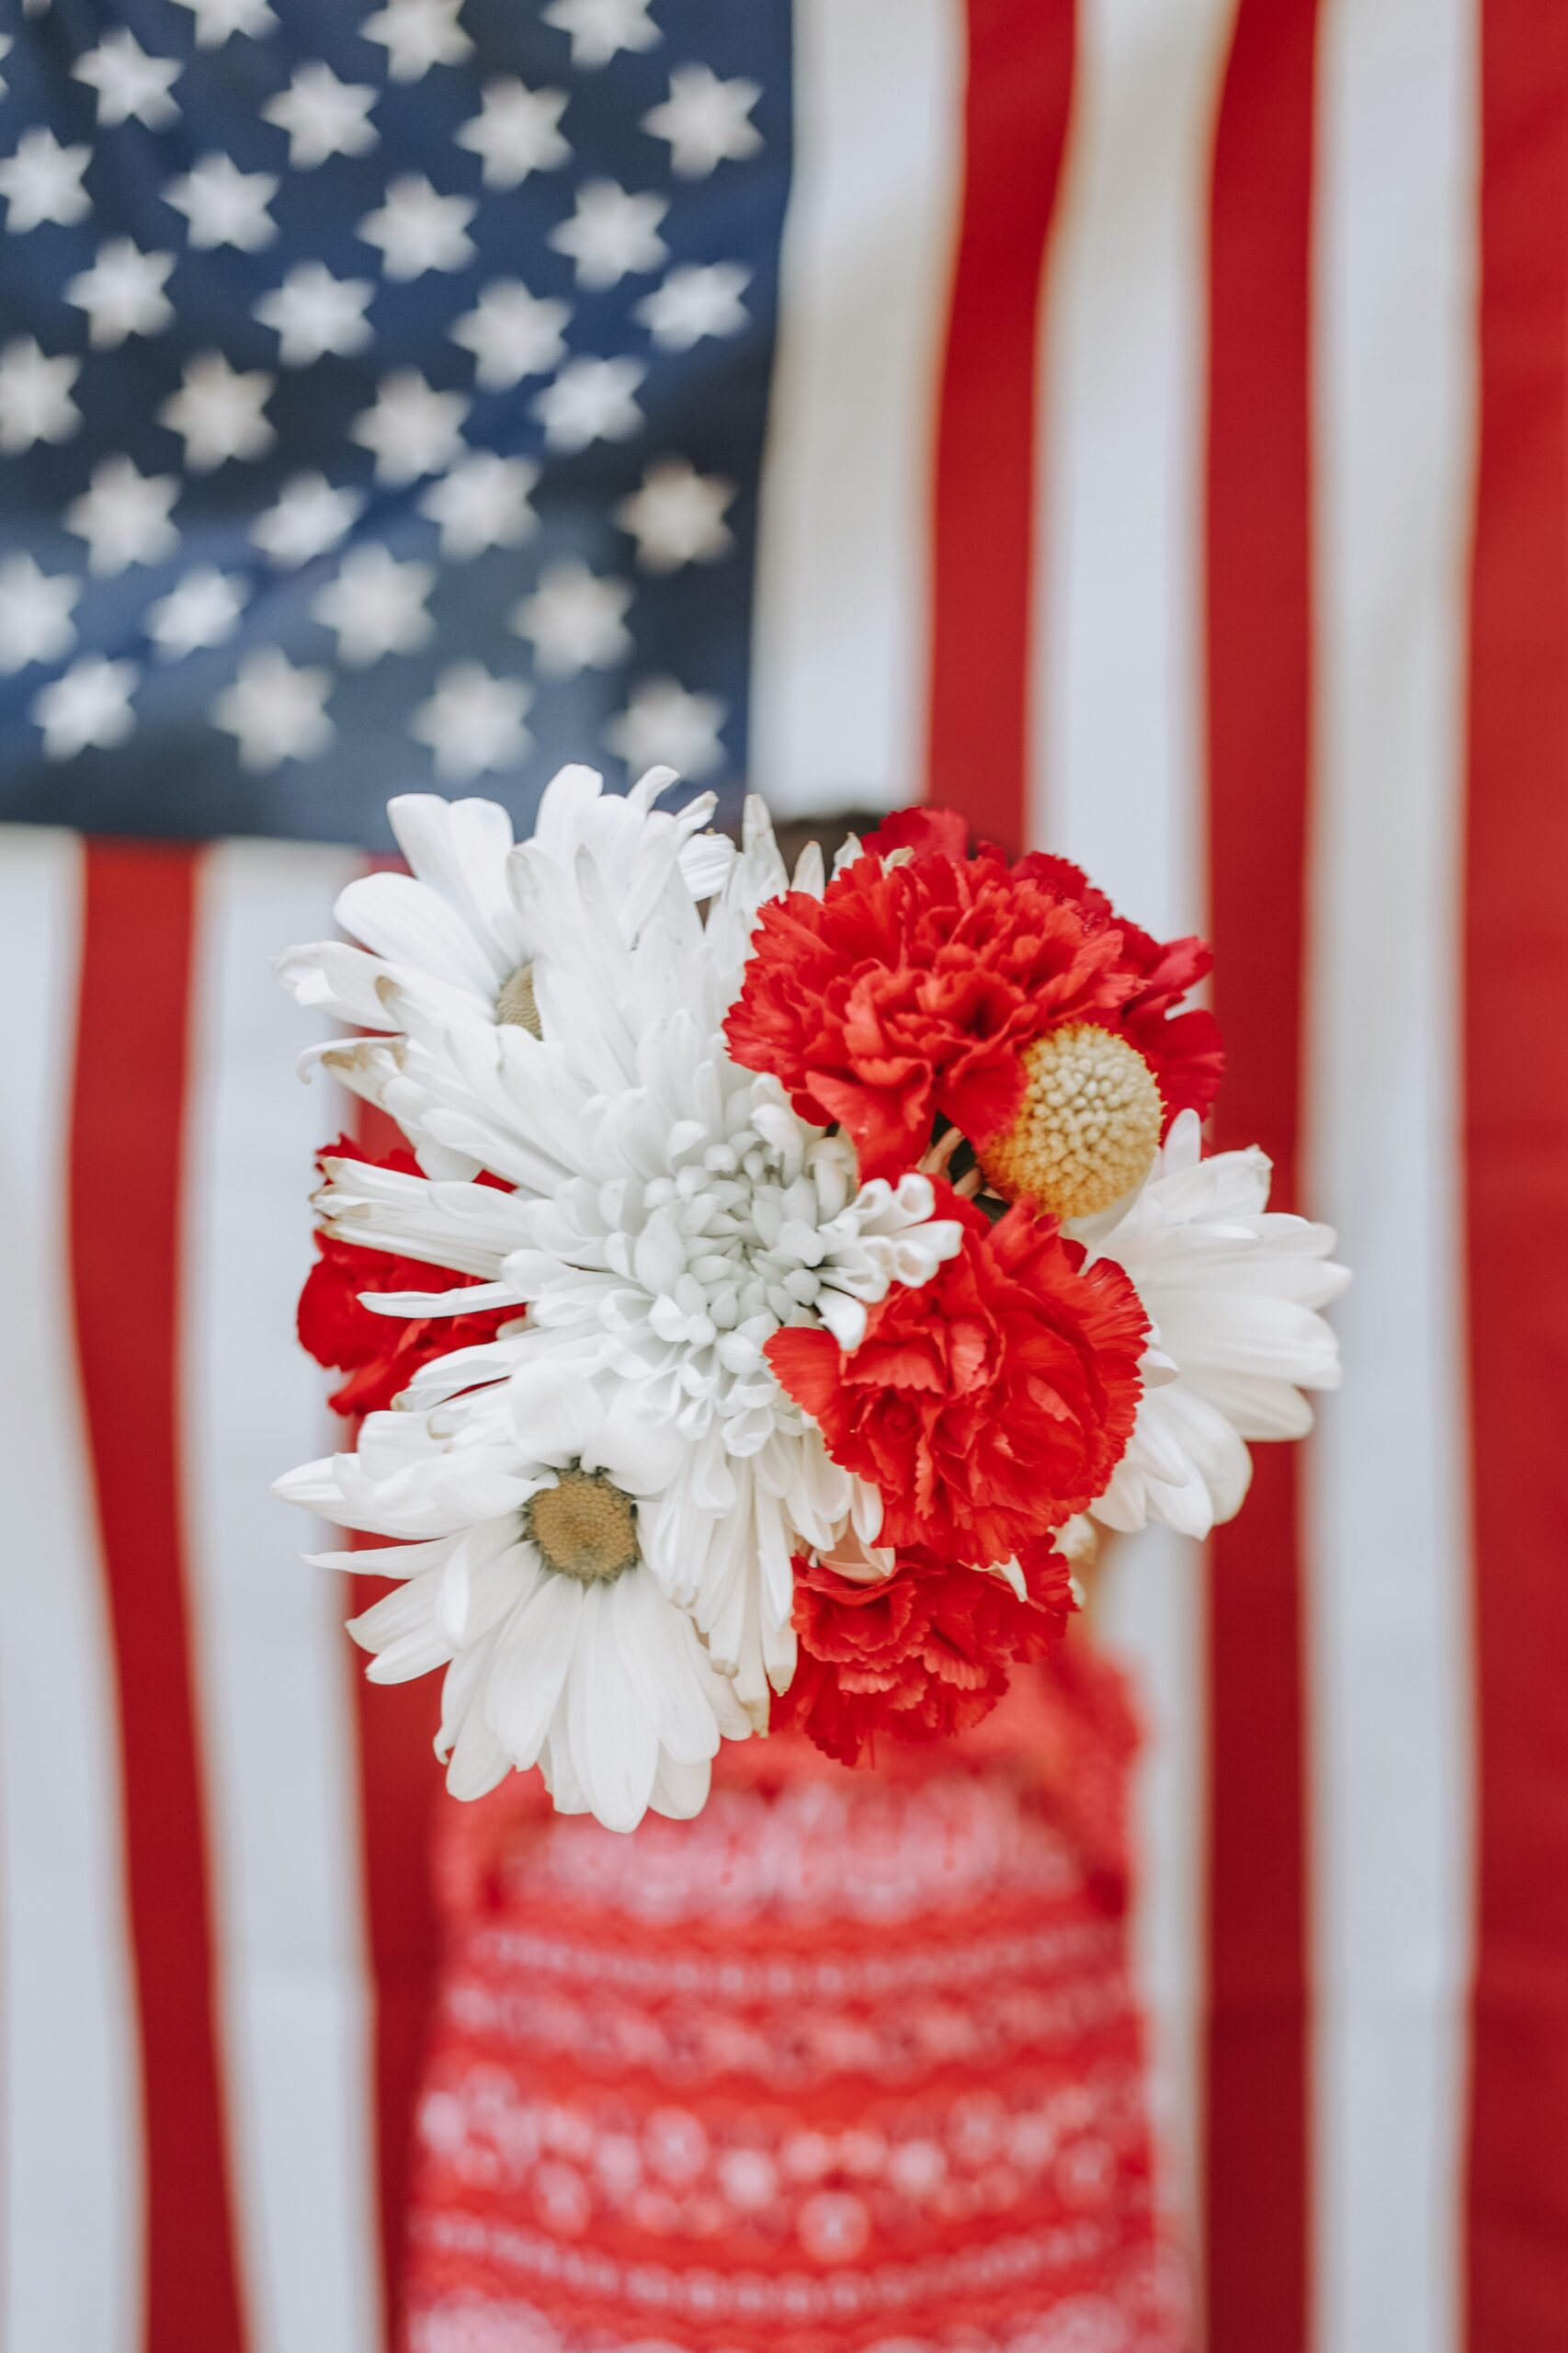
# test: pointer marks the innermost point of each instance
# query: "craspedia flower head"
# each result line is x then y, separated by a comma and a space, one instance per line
1088, 1130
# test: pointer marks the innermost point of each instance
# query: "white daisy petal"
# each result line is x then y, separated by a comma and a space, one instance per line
611, 1740
407, 923
680, 1790
531, 1660
659, 1651
478, 1762
555, 1414
403, 1632
1232, 1291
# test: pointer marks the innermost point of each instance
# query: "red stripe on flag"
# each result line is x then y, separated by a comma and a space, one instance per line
400, 1784
1259, 688
125, 1217
1516, 1186
1020, 81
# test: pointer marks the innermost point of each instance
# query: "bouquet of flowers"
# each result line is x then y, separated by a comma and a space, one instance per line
783, 1277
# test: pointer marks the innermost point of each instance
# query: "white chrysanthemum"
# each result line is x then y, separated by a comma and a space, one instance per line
449, 948
529, 1578
1232, 1293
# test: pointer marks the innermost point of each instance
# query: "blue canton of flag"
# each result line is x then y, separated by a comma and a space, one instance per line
382, 399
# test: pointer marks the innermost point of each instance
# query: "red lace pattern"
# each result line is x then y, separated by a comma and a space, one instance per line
849, 2065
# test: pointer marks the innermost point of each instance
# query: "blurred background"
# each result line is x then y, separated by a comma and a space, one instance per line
1142, 424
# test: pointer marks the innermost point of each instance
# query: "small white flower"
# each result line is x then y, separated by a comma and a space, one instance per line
529, 1579
442, 946
1232, 1293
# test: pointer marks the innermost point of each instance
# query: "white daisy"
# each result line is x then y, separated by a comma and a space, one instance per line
528, 1578
448, 947
1232, 1292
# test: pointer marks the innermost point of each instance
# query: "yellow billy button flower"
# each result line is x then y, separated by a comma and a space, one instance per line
1088, 1130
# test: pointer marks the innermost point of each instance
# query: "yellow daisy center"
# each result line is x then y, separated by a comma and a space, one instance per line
585, 1526
1088, 1127
517, 1002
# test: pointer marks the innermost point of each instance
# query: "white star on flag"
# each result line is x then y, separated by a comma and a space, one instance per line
574, 621
216, 19
123, 515
591, 400
322, 116
483, 503
315, 312
512, 333
225, 206
418, 229
35, 613
611, 233
515, 132
473, 720
600, 28
6, 45
417, 34
35, 394
201, 611
705, 121
42, 181
122, 294
698, 299
275, 710
131, 86
412, 429
218, 412
678, 517
309, 516
663, 724
375, 606
89, 704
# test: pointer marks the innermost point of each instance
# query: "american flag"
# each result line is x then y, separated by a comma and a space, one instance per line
1144, 423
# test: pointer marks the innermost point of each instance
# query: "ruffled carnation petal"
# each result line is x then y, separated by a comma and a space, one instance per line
918, 1655
993, 1404
909, 992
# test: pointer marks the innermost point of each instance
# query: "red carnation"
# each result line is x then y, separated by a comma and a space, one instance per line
1183, 1049
921, 1654
905, 993
380, 1354
930, 833
989, 1404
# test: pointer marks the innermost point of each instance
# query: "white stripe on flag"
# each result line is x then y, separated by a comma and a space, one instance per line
1117, 766
1387, 1505
272, 1675
71, 2224
840, 658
